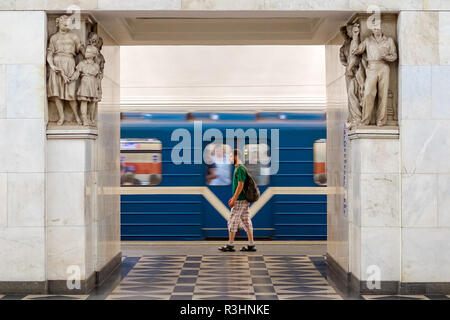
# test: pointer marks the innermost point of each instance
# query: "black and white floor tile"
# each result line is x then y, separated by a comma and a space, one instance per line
224, 277
221, 277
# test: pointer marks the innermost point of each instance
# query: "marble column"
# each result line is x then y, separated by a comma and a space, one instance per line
83, 211
363, 178
395, 181
59, 212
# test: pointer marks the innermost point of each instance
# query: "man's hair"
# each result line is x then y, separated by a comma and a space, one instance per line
128, 177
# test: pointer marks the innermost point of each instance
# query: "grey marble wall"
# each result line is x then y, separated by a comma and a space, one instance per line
107, 219
22, 146
307, 5
337, 224
424, 43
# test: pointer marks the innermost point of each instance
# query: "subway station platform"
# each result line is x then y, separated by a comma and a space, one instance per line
279, 270
384, 209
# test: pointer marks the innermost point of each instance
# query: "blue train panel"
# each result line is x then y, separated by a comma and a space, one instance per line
161, 217
299, 217
192, 217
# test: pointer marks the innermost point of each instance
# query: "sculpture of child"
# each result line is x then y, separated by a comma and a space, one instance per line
87, 92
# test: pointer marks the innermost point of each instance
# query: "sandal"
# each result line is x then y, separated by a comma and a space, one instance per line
248, 248
227, 248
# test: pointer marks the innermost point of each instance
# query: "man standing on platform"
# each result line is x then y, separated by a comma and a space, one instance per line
239, 206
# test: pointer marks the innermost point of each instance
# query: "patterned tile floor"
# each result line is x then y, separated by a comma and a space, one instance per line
284, 271
221, 277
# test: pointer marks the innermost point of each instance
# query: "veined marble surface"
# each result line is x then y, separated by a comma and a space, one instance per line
381, 248
354, 244
68, 246
22, 145
419, 200
337, 222
23, 254
424, 131
418, 38
107, 216
338, 5
425, 254
374, 207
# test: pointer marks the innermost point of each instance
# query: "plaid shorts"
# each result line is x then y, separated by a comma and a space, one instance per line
239, 216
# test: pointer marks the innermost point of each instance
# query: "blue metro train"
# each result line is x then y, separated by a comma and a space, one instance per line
188, 201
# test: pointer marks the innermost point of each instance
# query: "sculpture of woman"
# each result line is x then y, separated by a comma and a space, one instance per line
62, 49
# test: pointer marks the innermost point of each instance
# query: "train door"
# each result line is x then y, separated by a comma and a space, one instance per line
218, 178
257, 161
219, 175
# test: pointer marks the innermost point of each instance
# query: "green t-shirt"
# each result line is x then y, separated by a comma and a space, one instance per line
239, 174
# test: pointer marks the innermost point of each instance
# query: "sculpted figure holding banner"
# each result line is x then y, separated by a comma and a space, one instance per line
354, 73
344, 55
380, 51
62, 49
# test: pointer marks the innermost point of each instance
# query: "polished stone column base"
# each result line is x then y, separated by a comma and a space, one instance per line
60, 286
23, 287
347, 282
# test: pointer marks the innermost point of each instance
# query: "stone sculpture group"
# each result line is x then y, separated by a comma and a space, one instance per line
367, 74
77, 84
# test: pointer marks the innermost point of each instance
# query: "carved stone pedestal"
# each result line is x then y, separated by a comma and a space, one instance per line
373, 195
373, 199
71, 208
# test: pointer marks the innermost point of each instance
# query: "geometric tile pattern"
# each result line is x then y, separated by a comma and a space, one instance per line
224, 277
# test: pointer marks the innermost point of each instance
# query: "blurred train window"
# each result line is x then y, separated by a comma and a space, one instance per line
257, 160
218, 166
140, 162
320, 160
